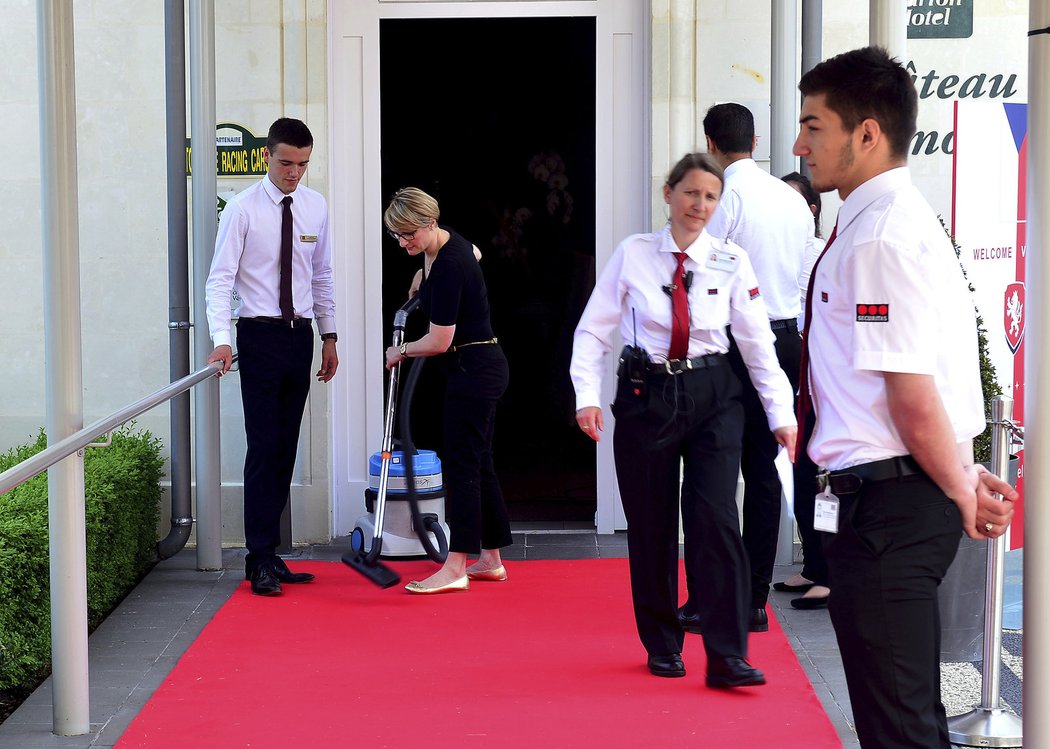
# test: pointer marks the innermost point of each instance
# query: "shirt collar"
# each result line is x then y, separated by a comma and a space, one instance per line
870, 191
739, 165
274, 192
698, 248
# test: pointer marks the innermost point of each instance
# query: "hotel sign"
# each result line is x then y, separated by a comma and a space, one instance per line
940, 19
238, 152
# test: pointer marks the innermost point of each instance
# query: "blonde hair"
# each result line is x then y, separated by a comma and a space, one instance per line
410, 208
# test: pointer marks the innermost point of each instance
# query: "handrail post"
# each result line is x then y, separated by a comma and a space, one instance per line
63, 366
989, 724
204, 189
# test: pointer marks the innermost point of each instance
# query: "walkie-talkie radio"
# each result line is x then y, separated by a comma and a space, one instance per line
634, 361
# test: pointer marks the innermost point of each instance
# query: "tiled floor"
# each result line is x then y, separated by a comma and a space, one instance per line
135, 648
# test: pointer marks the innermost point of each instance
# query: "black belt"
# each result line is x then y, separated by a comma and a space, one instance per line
788, 324
678, 366
295, 322
849, 480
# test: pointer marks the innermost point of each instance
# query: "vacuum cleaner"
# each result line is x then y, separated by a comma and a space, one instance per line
421, 488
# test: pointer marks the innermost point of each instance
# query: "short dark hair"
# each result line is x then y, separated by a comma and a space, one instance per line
287, 130
731, 127
705, 162
868, 83
806, 189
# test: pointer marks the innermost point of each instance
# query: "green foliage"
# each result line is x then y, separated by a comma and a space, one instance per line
982, 443
122, 502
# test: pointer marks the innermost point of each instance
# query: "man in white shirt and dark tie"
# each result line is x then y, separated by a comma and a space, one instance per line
273, 250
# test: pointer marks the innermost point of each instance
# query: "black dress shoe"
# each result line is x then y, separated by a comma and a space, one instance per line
733, 672
264, 581
806, 604
758, 621
666, 665
689, 622
785, 588
286, 576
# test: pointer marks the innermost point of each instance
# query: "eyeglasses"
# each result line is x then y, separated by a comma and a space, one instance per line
407, 236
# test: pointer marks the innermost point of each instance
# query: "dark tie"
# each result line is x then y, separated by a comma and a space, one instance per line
679, 311
804, 403
287, 310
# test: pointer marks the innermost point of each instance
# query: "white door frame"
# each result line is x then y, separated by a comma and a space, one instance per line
622, 204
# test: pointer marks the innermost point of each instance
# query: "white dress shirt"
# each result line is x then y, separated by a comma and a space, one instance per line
773, 223
889, 296
629, 296
248, 259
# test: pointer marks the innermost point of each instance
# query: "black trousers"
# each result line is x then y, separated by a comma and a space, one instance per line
814, 566
895, 542
683, 428
762, 488
274, 363
476, 378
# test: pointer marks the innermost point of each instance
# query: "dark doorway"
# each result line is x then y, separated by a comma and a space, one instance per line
496, 119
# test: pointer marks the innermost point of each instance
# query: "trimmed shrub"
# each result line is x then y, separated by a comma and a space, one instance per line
122, 503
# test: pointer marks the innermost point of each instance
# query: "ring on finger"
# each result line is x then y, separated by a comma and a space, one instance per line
988, 527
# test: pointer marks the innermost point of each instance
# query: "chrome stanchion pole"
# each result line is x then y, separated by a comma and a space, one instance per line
989, 724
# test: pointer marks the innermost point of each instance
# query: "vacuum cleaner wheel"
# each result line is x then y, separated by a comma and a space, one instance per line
357, 540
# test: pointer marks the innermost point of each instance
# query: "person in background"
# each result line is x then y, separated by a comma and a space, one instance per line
772, 223
812, 581
454, 298
273, 249
891, 378
671, 294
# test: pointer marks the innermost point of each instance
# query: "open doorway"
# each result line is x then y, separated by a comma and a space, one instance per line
495, 118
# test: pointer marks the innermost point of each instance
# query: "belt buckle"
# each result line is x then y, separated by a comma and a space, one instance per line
669, 368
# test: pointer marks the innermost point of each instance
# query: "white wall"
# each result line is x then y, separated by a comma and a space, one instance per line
271, 62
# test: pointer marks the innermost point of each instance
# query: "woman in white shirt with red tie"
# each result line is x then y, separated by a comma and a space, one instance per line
678, 401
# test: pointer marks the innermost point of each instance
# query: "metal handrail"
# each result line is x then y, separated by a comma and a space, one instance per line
62, 449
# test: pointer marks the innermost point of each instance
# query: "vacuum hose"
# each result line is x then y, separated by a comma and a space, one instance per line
426, 524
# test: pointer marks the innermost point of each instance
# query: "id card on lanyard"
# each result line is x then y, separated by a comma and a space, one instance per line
826, 512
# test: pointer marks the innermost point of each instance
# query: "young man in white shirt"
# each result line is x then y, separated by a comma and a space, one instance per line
773, 224
895, 390
272, 248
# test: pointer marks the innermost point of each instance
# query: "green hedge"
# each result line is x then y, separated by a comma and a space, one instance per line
122, 495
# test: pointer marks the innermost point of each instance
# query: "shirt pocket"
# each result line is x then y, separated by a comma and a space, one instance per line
709, 307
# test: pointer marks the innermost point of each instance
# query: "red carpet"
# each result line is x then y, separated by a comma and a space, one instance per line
548, 659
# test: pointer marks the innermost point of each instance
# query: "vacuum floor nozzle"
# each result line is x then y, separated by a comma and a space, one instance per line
376, 571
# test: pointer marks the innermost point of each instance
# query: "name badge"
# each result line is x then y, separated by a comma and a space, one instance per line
723, 261
307, 237
826, 512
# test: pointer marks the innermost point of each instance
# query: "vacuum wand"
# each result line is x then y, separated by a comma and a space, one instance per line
367, 562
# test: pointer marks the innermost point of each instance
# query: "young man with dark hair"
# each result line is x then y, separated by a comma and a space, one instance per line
773, 223
894, 387
272, 248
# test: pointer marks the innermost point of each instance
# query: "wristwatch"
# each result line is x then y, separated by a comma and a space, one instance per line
403, 350
329, 337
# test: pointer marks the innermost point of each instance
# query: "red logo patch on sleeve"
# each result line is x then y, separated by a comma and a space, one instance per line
824, 296
712, 292
753, 293
873, 313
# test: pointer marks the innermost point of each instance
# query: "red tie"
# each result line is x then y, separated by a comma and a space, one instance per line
679, 311
285, 299
804, 403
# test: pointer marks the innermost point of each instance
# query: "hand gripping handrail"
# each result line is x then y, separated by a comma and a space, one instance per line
30, 467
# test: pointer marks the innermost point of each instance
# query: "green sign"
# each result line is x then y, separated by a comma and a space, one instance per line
940, 19
238, 152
